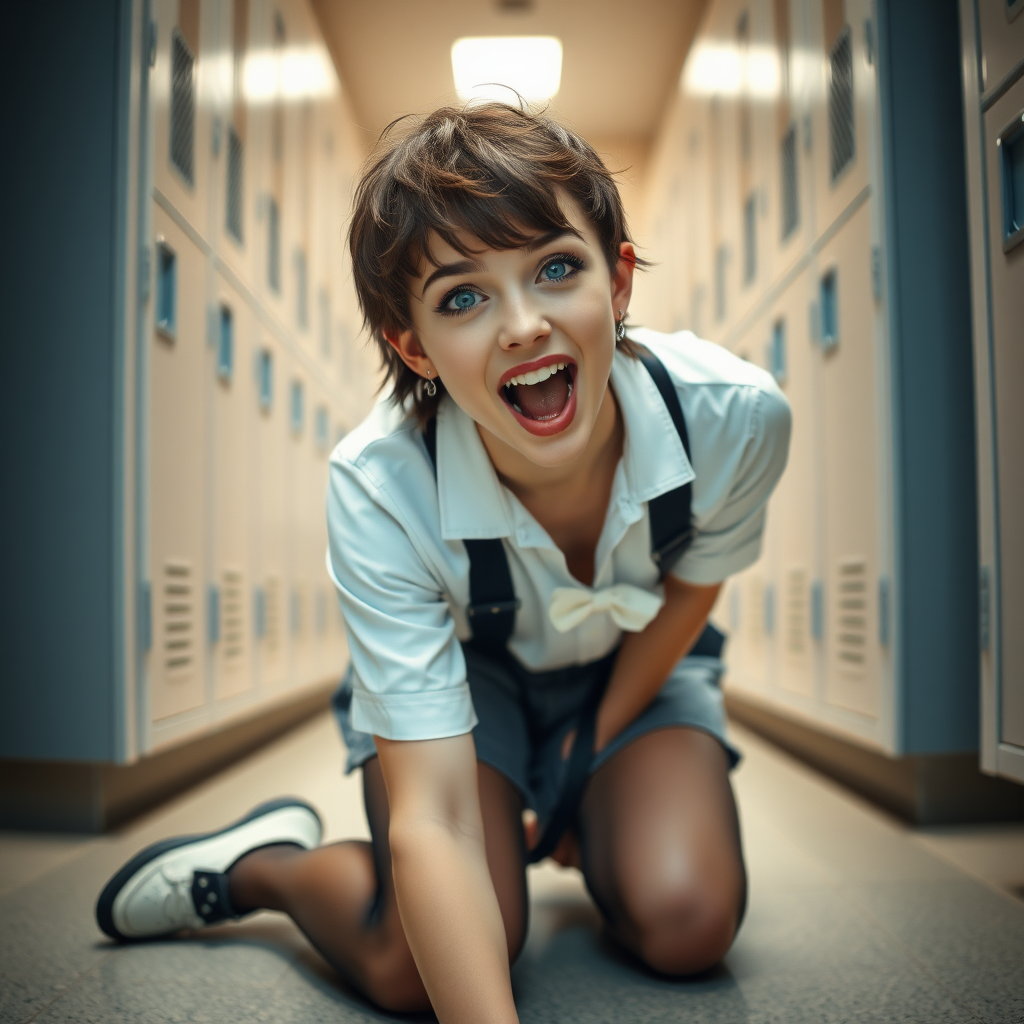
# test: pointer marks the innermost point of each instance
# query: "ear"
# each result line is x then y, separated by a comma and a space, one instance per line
622, 276
410, 351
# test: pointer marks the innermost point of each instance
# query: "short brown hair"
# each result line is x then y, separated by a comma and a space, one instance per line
491, 170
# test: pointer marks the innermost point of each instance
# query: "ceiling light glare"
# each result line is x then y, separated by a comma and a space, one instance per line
725, 69
487, 67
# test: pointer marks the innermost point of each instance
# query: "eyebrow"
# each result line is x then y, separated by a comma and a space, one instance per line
468, 266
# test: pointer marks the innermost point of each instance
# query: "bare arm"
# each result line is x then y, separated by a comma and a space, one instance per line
646, 658
445, 895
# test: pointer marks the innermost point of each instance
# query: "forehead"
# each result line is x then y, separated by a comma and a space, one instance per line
441, 251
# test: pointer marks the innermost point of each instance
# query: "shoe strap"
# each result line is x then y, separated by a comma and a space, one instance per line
211, 896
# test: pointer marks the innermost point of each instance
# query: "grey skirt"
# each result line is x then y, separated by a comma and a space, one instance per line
524, 717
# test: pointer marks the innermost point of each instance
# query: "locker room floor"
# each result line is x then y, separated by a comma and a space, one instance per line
852, 917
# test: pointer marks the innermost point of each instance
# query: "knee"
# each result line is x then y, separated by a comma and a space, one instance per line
394, 984
687, 930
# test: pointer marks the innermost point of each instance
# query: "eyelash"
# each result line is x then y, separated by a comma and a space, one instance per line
568, 258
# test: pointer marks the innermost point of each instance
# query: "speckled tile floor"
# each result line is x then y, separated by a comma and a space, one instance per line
853, 917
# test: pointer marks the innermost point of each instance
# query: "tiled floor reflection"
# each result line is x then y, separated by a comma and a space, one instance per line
853, 917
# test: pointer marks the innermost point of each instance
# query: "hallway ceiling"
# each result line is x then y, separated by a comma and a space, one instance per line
621, 60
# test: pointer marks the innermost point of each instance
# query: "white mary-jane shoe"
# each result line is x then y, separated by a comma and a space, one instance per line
182, 882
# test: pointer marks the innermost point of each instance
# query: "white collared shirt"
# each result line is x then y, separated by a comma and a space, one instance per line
395, 531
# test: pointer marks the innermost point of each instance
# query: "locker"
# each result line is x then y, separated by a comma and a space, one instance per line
272, 486
178, 423
1002, 41
182, 118
850, 414
1004, 132
794, 513
232, 396
842, 95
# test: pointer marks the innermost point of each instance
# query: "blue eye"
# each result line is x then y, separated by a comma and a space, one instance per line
561, 268
459, 301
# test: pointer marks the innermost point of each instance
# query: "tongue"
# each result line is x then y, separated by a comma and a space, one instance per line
545, 400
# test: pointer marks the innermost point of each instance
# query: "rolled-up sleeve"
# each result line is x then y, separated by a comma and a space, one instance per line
409, 673
743, 472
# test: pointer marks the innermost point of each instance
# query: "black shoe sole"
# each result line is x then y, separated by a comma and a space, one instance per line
105, 903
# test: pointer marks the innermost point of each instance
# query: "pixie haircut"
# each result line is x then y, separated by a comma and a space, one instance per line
492, 172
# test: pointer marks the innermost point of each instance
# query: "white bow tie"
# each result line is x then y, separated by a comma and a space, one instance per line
631, 608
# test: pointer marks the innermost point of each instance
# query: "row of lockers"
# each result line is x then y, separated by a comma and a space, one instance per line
252, 369
811, 623
789, 222
770, 141
251, 146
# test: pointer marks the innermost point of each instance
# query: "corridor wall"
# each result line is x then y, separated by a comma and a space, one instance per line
807, 211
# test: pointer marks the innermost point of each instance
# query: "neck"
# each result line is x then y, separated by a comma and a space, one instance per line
525, 479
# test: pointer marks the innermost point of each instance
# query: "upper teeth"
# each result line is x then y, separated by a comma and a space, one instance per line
536, 376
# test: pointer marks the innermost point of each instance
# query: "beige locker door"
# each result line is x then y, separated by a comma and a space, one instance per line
177, 460
230, 383
1002, 39
793, 512
750, 606
182, 118
1003, 123
314, 531
271, 512
300, 455
850, 424
843, 104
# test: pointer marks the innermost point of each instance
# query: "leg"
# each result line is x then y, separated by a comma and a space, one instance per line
661, 853
342, 895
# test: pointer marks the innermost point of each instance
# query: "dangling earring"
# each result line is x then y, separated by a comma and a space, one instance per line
430, 388
620, 327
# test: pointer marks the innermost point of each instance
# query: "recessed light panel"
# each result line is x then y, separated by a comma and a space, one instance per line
488, 67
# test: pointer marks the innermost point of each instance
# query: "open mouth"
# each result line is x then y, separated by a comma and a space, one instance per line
542, 397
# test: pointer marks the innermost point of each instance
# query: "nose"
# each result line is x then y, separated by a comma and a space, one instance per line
522, 323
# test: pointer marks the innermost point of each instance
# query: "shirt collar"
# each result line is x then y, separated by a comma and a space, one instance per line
473, 502
653, 455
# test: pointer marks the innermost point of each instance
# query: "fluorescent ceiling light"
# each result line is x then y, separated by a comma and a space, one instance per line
726, 69
290, 73
486, 67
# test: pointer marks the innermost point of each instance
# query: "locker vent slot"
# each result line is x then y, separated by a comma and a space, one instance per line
183, 108
179, 615
232, 624
298, 411
235, 178
750, 238
790, 196
797, 611
298, 611
272, 613
851, 614
274, 245
840, 104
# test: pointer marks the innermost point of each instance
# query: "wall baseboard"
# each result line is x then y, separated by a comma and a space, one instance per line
924, 789
69, 796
